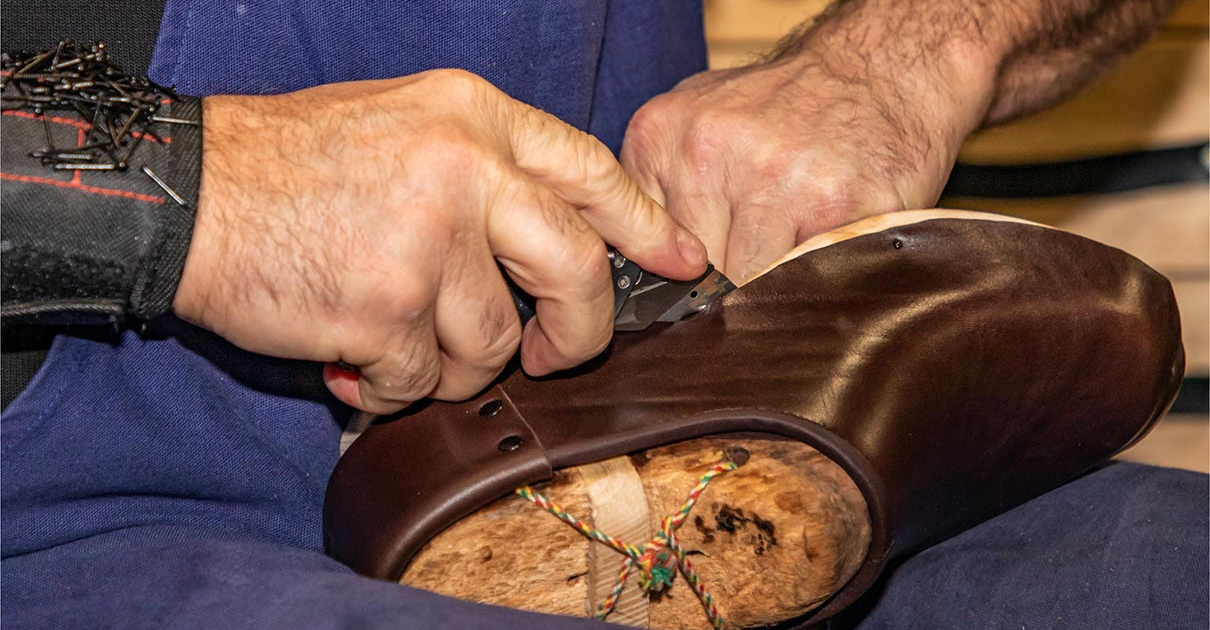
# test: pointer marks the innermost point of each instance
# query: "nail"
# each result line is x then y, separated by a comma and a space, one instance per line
159, 182
84, 167
173, 121
125, 128
134, 144
63, 155
117, 106
50, 141
691, 248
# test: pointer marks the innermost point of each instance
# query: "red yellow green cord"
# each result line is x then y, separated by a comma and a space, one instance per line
658, 560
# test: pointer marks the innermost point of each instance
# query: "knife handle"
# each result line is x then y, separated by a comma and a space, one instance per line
625, 274
522, 300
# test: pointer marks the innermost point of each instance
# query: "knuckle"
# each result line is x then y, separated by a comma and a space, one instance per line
706, 142
374, 403
540, 126
407, 301
586, 261
830, 193
652, 115
597, 163
454, 82
560, 218
651, 139
488, 337
532, 119
453, 148
640, 152
498, 175
500, 334
460, 94
591, 156
415, 374
832, 200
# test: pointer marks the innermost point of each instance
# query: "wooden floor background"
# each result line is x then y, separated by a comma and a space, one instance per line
1160, 97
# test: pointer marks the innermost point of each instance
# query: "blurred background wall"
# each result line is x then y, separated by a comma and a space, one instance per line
1140, 132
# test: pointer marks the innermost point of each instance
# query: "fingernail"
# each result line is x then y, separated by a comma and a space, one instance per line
336, 371
692, 249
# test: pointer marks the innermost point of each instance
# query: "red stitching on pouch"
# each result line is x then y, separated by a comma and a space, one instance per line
88, 189
79, 124
75, 179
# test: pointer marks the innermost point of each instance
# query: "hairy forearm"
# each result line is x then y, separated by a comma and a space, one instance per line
1002, 59
1069, 45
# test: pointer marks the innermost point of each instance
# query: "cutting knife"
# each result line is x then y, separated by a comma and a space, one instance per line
642, 298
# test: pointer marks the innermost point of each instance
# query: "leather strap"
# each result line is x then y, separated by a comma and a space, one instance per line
619, 508
451, 463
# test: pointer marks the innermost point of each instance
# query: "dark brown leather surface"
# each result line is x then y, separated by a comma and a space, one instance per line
955, 368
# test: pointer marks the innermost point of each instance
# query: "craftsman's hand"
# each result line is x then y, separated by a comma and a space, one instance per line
362, 222
756, 160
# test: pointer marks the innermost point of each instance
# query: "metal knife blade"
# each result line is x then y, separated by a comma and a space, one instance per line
642, 298
662, 300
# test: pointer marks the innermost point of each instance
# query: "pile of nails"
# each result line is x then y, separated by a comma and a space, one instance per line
119, 109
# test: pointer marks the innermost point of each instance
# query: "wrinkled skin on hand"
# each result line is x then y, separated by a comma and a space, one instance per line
363, 222
756, 160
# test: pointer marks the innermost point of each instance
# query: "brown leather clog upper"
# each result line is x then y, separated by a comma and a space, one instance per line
954, 367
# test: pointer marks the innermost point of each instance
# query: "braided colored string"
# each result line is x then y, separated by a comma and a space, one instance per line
658, 560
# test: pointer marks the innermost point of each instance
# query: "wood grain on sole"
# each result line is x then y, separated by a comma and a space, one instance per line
771, 540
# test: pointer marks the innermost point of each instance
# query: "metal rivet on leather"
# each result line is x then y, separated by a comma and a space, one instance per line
491, 408
510, 443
